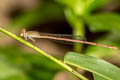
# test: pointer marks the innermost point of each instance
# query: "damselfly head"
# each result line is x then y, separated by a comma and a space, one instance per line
22, 32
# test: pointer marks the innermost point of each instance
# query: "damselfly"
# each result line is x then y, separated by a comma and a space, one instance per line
34, 34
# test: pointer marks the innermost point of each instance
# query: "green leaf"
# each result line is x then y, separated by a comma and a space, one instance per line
94, 65
104, 22
96, 77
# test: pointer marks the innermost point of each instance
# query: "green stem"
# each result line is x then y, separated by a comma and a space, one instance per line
77, 26
43, 53
78, 29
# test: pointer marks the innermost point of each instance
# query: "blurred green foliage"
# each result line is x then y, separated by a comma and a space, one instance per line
48, 12
16, 64
97, 22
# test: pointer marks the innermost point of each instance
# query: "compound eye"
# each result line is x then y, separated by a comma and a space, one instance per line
22, 32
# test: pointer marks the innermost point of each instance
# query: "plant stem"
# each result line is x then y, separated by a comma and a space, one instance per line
77, 26
78, 29
43, 53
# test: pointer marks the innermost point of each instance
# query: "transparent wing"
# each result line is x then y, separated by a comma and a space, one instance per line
65, 36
